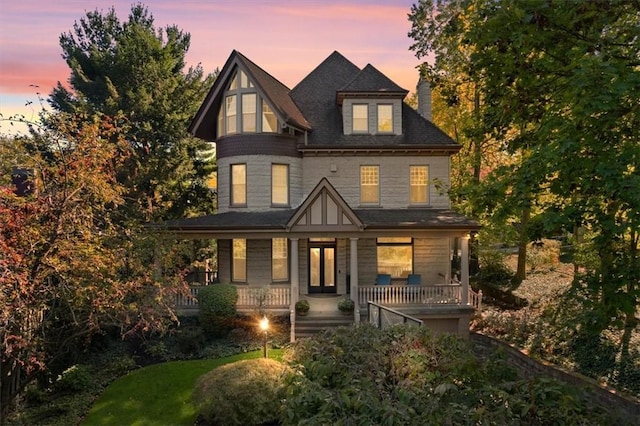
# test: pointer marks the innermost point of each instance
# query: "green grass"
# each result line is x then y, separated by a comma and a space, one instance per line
159, 394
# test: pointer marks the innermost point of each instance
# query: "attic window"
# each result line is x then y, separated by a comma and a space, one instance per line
360, 118
385, 118
244, 110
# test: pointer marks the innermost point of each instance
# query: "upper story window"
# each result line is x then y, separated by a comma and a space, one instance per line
280, 184
369, 185
238, 185
244, 110
360, 118
385, 118
419, 189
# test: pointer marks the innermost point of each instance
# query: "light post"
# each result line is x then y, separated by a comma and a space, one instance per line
264, 326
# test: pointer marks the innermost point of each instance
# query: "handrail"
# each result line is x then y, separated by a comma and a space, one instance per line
383, 316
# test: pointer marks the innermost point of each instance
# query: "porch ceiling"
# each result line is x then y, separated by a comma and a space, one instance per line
276, 221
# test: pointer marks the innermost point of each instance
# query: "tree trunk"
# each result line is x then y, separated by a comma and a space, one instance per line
523, 240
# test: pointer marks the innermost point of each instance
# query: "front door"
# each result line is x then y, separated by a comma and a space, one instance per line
322, 268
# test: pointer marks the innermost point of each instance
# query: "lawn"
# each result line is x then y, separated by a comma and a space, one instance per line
159, 394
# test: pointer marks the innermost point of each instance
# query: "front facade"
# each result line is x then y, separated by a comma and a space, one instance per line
330, 188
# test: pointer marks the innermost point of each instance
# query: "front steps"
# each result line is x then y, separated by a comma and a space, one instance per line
311, 324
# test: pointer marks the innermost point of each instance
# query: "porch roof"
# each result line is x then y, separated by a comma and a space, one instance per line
277, 220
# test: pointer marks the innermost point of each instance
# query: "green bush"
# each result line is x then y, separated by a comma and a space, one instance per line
408, 375
217, 305
494, 271
74, 379
243, 393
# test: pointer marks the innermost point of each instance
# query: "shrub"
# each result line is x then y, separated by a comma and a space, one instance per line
302, 306
217, 305
74, 379
243, 393
346, 305
543, 253
493, 269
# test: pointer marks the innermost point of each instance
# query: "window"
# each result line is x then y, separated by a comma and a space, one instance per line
269, 121
369, 193
360, 118
230, 108
419, 191
279, 259
249, 112
385, 118
244, 110
395, 256
280, 184
239, 263
238, 185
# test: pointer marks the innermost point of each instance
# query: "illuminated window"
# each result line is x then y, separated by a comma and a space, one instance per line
238, 185
269, 121
279, 259
385, 118
360, 118
231, 113
419, 190
395, 256
249, 112
239, 263
280, 184
369, 185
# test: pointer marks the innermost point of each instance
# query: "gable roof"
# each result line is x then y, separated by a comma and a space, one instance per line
327, 199
275, 92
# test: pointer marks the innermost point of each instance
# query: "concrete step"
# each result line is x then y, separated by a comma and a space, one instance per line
311, 324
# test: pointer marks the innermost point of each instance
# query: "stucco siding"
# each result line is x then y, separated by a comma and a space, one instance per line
258, 181
394, 177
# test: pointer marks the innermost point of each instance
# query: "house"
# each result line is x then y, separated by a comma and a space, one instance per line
326, 187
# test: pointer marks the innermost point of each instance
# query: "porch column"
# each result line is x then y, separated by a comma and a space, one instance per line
354, 279
294, 273
464, 270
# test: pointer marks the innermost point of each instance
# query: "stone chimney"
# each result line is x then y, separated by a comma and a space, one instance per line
423, 91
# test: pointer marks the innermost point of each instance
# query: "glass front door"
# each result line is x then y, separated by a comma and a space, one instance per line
322, 269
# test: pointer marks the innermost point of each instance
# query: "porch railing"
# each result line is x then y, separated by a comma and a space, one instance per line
248, 297
411, 295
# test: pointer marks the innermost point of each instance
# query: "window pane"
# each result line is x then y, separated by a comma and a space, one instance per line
279, 255
220, 129
249, 112
234, 82
360, 118
280, 184
239, 267
238, 184
269, 121
418, 176
396, 260
369, 184
244, 81
231, 112
385, 118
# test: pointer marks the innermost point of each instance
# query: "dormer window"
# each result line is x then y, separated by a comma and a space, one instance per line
385, 118
241, 107
360, 118
372, 116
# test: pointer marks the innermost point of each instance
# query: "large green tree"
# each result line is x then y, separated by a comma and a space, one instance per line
134, 69
562, 85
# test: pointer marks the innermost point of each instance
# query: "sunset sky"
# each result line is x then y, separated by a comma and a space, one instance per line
288, 38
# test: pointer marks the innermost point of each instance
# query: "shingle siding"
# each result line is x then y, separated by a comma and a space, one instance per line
258, 181
394, 177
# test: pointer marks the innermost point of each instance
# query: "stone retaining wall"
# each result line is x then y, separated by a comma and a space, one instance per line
626, 408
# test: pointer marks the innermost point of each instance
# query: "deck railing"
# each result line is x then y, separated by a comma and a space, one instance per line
439, 294
248, 297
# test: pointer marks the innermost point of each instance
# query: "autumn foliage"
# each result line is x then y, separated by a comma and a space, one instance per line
71, 265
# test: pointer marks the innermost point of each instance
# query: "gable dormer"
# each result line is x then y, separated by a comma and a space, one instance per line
246, 100
371, 104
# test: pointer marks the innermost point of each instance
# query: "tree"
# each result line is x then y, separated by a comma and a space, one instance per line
133, 69
68, 268
561, 82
